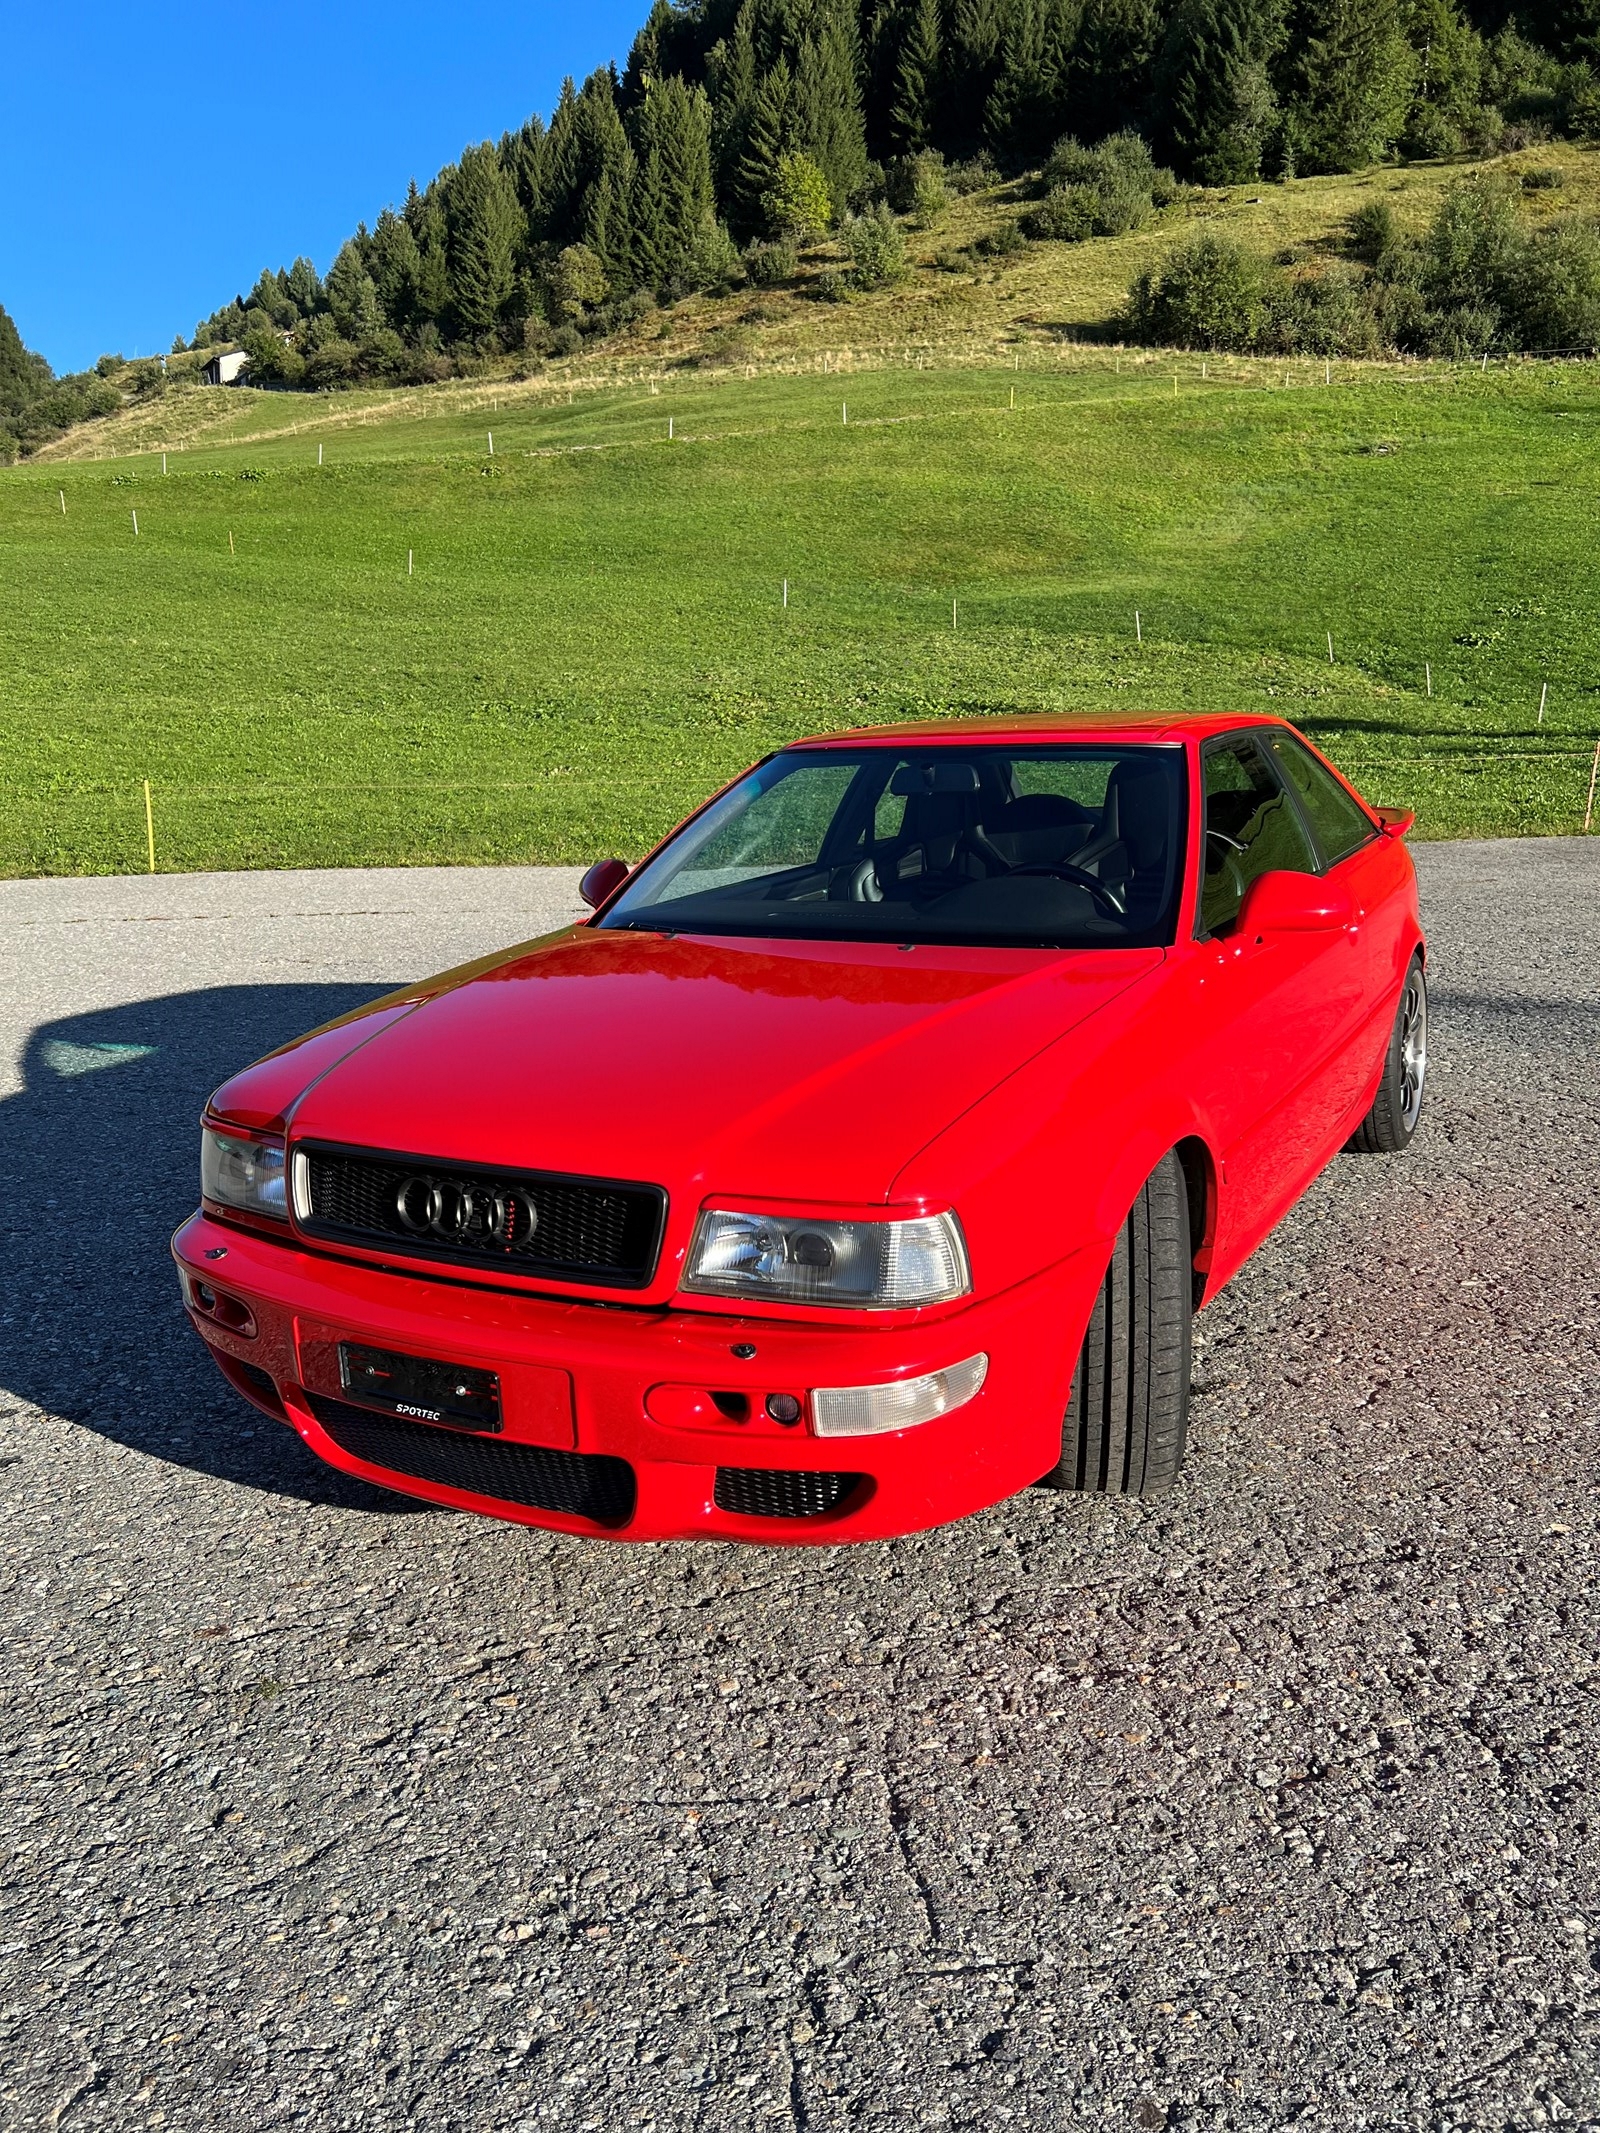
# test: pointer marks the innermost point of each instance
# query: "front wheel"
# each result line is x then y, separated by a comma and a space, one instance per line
1127, 1417
1389, 1125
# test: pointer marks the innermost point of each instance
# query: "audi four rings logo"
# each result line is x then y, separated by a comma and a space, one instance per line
457, 1214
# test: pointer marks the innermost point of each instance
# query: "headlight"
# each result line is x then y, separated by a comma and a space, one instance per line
807, 1259
244, 1171
864, 1410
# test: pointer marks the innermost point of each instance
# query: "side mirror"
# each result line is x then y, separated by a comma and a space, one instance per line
1294, 903
603, 880
1396, 821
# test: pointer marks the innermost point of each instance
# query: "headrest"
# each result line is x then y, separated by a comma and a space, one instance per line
912, 780
1040, 811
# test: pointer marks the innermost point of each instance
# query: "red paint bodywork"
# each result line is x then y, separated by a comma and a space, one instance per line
1030, 1090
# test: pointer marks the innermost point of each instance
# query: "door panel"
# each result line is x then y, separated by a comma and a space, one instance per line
1272, 1017
1366, 864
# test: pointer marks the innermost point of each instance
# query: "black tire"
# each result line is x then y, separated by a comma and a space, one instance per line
1390, 1124
1127, 1418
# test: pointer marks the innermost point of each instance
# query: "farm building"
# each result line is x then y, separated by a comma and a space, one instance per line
227, 369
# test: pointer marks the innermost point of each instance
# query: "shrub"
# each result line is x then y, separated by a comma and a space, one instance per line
974, 175
1477, 280
768, 265
915, 186
1066, 214
1473, 239
714, 264
877, 249
1070, 163
1579, 101
1322, 314
1371, 230
333, 361
565, 341
1544, 178
1553, 291
1100, 192
577, 283
799, 204
832, 287
273, 360
1003, 242
1208, 294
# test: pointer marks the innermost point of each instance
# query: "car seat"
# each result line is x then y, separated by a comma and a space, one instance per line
1129, 852
1039, 829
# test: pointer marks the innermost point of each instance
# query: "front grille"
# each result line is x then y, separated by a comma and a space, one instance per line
581, 1484
561, 1228
777, 1492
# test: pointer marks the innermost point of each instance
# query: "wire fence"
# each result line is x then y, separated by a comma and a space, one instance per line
1040, 353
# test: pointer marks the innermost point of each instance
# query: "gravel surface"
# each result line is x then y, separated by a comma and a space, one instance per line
1267, 1805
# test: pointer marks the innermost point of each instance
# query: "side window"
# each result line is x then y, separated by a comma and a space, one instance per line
1338, 825
888, 818
1251, 828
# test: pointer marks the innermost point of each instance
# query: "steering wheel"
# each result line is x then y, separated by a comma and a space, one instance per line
1063, 870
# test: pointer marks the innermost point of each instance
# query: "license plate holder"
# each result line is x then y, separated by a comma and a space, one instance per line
448, 1395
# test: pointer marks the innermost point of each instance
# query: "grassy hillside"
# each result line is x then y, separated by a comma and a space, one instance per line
593, 629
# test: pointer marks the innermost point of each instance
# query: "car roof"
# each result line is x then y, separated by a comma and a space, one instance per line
1147, 726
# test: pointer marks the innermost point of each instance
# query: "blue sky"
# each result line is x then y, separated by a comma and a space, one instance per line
156, 159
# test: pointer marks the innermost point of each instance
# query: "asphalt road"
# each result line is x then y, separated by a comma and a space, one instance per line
1272, 1804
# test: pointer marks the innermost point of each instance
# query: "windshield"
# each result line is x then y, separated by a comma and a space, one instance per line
1003, 844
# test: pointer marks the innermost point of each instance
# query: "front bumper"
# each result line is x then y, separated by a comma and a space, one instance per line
587, 1385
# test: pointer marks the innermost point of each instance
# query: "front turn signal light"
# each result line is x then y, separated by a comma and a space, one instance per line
868, 1410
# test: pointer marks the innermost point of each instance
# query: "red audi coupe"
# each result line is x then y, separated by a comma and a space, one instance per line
861, 1159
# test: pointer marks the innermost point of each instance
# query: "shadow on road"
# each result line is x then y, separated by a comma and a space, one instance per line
99, 1163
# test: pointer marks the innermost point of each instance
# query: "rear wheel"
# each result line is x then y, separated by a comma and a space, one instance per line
1389, 1125
1128, 1414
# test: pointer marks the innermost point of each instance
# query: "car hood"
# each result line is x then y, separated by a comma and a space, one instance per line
798, 1069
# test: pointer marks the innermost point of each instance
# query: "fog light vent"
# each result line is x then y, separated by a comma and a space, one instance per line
776, 1492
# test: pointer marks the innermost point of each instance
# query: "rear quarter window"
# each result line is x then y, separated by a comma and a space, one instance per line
1337, 823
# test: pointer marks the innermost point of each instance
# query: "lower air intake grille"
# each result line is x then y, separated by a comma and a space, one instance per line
249, 1378
581, 1484
776, 1492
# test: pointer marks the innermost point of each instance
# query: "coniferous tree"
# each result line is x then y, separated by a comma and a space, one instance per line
1214, 88
770, 135
606, 164
673, 199
1446, 105
424, 216
914, 111
304, 286
1108, 78
1352, 86
525, 158
1027, 108
485, 227
352, 294
395, 265
563, 158
827, 102
974, 59
645, 61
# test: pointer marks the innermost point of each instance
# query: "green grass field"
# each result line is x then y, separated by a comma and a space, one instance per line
593, 631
